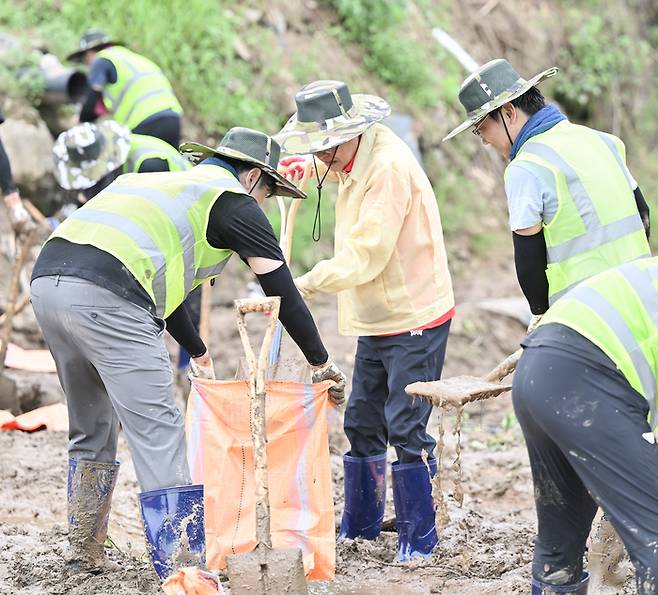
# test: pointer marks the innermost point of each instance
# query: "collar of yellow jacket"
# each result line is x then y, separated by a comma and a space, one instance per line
363, 155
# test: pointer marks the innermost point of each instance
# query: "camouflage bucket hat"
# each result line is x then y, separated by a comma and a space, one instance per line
250, 146
328, 115
93, 39
491, 86
87, 152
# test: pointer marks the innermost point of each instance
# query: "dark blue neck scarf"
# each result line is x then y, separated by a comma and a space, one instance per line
547, 117
220, 163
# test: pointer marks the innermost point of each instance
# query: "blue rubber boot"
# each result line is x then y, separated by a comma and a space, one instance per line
579, 588
365, 496
89, 495
173, 527
414, 509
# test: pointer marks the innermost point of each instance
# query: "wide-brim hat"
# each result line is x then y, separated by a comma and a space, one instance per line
93, 39
491, 86
328, 115
88, 152
250, 146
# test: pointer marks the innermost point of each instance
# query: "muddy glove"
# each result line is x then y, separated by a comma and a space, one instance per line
202, 367
330, 371
20, 219
534, 321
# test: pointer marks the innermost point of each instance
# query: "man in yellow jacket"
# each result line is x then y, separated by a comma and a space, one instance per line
390, 274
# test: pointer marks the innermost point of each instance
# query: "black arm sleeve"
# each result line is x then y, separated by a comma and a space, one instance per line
237, 222
6, 179
294, 314
180, 327
643, 209
88, 111
530, 262
153, 164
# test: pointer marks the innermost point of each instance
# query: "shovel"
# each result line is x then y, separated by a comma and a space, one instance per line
8, 391
263, 571
459, 390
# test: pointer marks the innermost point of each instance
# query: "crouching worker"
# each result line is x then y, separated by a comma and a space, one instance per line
106, 284
583, 390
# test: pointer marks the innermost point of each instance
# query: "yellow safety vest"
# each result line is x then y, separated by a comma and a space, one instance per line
144, 147
141, 89
597, 225
618, 311
156, 225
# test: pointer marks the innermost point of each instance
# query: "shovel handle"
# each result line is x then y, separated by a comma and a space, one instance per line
504, 368
257, 371
21, 257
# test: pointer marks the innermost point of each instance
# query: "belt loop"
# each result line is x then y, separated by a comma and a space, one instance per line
57, 281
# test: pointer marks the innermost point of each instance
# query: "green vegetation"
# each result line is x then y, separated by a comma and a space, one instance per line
226, 66
193, 42
396, 59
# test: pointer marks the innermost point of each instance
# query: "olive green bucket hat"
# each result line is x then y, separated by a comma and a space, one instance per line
93, 39
250, 146
328, 115
87, 152
491, 86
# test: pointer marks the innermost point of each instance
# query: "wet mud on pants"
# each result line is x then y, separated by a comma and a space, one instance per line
115, 370
583, 425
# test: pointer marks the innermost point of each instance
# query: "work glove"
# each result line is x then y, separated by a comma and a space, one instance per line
21, 221
534, 321
202, 367
293, 168
330, 371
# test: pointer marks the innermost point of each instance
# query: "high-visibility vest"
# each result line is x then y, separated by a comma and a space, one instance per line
144, 147
618, 311
155, 224
140, 91
597, 225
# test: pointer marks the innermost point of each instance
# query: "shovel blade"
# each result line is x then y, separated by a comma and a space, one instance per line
267, 571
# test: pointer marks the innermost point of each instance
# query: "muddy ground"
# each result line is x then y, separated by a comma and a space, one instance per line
485, 549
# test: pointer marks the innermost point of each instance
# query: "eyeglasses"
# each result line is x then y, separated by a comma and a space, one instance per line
476, 129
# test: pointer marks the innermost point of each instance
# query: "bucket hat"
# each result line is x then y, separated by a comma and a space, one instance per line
491, 86
328, 115
93, 39
87, 152
249, 146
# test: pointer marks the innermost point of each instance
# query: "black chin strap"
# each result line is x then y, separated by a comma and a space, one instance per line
260, 175
317, 221
502, 117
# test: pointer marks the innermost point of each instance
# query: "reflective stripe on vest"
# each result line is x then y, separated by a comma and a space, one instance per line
156, 225
144, 147
628, 335
589, 233
128, 99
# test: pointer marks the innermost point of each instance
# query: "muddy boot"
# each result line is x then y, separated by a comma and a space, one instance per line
414, 509
579, 588
90, 487
173, 527
365, 496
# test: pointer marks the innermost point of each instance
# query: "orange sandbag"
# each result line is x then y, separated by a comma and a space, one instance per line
30, 360
51, 417
191, 581
220, 452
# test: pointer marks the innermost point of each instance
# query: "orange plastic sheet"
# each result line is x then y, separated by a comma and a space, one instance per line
51, 417
30, 360
191, 581
220, 452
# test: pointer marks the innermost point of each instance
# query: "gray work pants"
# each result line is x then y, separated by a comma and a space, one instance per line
114, 368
